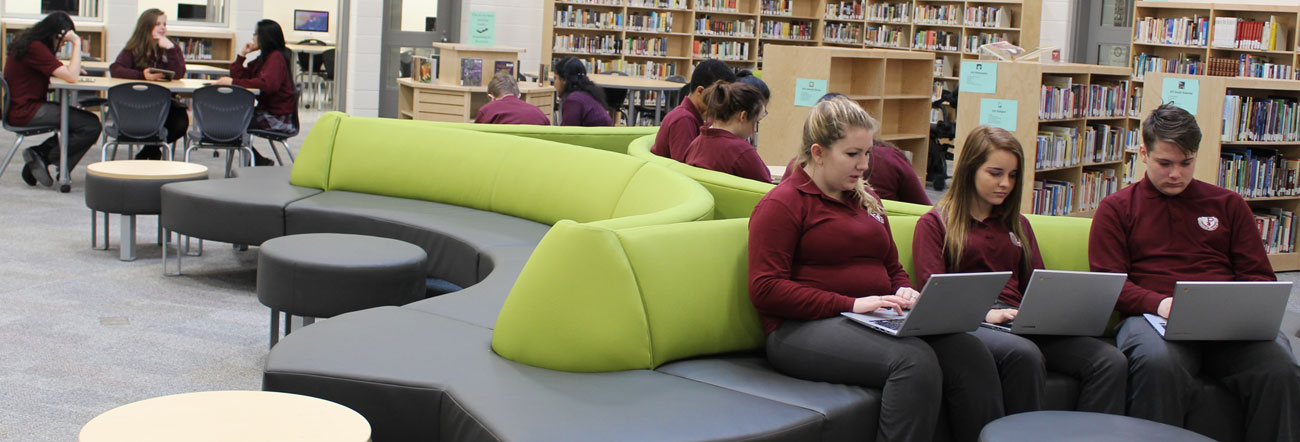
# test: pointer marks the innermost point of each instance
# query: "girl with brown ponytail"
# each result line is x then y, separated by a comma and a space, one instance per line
735, 109
149, 49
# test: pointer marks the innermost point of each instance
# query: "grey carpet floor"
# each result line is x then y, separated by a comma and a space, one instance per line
82, 333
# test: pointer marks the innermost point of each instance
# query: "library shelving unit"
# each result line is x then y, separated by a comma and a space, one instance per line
214, 47
1220, 39
893, 86
93, 36
1256, 157
1079, 142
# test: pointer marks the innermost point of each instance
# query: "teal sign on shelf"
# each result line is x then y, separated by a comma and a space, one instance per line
999, 113
807, 91
1182, 92
482, 28
979, 77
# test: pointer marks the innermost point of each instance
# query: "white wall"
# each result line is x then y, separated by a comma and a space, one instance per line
414, 12
282, 12
22, 6
1056, 27
519, 25
364, 29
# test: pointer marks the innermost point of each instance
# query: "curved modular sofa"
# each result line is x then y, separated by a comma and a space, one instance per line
655, 300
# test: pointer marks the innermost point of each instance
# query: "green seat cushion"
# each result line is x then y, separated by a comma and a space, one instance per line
613, 139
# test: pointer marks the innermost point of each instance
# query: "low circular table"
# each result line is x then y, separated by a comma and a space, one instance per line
320, 275
228, 416
1082, 426
130, 188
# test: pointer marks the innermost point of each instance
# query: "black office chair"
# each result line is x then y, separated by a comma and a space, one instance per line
138, 112
273, 137
221, 118
21, 131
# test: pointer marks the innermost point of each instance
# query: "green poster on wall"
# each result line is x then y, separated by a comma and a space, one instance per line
482, 28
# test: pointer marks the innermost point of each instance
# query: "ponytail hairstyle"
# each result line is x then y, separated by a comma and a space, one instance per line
827, 124
141, 44
724, 101
49, 32
955, 206
574, 74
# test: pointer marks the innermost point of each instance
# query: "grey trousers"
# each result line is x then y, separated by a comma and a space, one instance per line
1023, 362
83, 132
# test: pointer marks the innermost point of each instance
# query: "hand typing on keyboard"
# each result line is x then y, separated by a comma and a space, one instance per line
1001, 315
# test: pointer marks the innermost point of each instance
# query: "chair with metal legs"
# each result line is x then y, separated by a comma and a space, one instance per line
21, 131
138, 111
273, 137
221, 118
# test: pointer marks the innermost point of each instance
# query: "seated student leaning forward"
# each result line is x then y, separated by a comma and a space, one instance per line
1171, 227
682, 124
977, 227
819, 245
735, 110
506, 107
583, 103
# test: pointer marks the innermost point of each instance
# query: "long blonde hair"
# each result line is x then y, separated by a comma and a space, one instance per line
827, 124
955, 206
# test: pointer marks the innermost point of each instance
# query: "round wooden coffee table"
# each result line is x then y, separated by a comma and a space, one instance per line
228, 416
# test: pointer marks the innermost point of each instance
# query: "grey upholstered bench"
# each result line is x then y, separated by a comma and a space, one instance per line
1082, 426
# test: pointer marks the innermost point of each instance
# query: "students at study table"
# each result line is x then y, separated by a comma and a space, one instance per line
146, 50
1171, 227
735, 109
681, 125
505, 106
582, 102
277, 98
819, 245
28, 68
977, 227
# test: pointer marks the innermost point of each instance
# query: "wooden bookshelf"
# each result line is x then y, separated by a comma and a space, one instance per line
1181, 48
1083, 161
893, 86
1213, 93
93, 36
217, 45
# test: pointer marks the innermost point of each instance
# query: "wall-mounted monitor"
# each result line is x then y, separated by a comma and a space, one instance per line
191, 12
311, 21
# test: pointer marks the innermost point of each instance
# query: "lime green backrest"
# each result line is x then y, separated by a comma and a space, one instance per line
311, 168
733, 196
901, 208
901, 227
592, 299
613, 139
1062, 240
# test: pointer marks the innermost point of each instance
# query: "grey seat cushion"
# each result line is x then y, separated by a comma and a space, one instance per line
127, 196
280, 174
236, 210
321, 275
1081, 426
480, 304
451, 235
445, 383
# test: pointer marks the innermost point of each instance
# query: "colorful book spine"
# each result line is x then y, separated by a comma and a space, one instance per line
890, 12
847, 33
706, 25
720, 49
846, 10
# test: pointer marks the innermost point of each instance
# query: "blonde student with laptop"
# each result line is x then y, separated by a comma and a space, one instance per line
1171, 227
977, 227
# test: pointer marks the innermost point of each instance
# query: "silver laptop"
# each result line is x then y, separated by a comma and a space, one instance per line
949, 303
1065, 303
1224, 311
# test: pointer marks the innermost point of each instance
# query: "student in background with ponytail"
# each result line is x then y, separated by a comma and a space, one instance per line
682, 124
735, 109
583, 103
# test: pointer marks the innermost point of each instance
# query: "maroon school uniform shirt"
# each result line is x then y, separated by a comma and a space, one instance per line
677, 130
29, 79
723, 151
892, 177
581, 109
269, 74
511, 110
990, 247
124, 67
1206, 233
811, 256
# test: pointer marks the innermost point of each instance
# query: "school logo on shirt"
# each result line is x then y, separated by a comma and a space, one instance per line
878, 218
1208, 223
1014, 240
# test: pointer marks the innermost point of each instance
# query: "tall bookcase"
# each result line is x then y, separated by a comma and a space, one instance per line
893, 86
1177, 37
93, 36
612, 34
1076, 170
214, 47
1278, 141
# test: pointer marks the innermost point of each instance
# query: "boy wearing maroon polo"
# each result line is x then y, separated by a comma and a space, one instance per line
1170, 227
735, 109
682, 124
506, 107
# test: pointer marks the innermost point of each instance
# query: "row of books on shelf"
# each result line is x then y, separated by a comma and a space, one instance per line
1060, 98
195, 48
588, 18
1239, 33
734, 28
937, 14
972, 43
886, 36
1096, 185
667, 4
1130, 169
777, 7
842, 32
1067, 146
721, 49
471, 70
988, 16
1248, 118
1185, 64
1277, 228
718, 5
598, 2
942, 67
1053, 197
1182, 31
599, 66
589, 44
851, 10
894, 12
650, 21
795, 30
936, 40
1258, 173
654, 47
1246, 65
652, 69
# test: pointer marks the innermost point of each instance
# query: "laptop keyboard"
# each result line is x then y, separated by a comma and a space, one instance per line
892, 324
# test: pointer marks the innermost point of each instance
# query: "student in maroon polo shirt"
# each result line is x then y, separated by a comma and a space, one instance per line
1171, 227
146, 50
682, 124
28, 68
735, 109
277, 99
977, 227
819, 245
582, 102
506, 107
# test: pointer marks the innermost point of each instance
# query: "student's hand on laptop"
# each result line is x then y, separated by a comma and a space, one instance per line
1164, 307
909, 296
1001, 315
868, 304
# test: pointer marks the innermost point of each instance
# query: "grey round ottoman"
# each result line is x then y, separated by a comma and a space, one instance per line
320, 275
1081, 426
131, 188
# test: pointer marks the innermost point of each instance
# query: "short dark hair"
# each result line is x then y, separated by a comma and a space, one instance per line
746, 76
1172, 125
709, 72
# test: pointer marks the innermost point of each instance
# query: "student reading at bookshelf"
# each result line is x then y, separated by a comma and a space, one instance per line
277, 99
977, 227
506, 107
28, 68
1171, 227
735, 109
582, 102
149, 49
682, 124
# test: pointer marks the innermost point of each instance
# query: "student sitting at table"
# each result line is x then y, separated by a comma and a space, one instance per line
735, 109
682, 124
506, 107
582, 102
28, 68
149, 49
277, 100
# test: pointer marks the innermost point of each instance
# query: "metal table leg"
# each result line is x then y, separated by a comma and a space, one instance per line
127, 238
64, 178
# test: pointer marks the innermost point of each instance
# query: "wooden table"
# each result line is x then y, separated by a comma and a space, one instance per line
143, 173
205, 71
458, 104
220, 416
638, 84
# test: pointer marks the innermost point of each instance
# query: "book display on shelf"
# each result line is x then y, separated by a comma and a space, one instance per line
502, 66
661, 4
471, 72
937, 14
890, 12
988, 17
1096, 185
1226, 39
846, 10
843, 33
